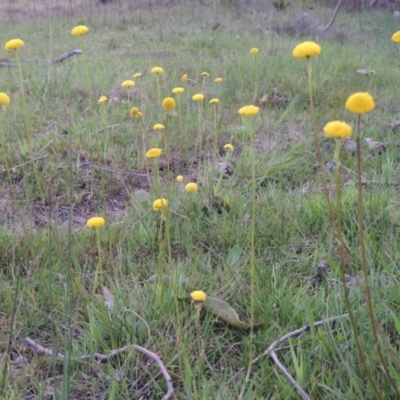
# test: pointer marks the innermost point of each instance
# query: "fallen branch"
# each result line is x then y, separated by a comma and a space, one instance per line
66, 55
335, 13
295, 333
271, 351
104, 357
288, 376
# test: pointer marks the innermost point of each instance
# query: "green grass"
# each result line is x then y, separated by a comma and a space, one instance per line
47, 195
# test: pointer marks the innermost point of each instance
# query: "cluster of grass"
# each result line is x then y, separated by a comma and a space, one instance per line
65, 158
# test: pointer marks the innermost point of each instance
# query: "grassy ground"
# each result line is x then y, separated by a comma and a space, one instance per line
65, 158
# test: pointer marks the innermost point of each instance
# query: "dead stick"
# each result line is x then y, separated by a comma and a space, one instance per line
295, 333
288, 376
104, 357
66, 55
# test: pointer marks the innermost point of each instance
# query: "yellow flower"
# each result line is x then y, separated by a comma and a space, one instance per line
79, 30
191, 187
218, 80
127, 84
204, 74
179, 178
198, 97
135, 112
158, 127
14, 44
338, 130
4, 100
157, 70
214, 101
229, 147
184, 78
396, 37
178, 90
360, 103
102, 99
168, 103
198, 296
249, 111
159, 204
254, 50
95, 222
137, 75
306, 49
154, 153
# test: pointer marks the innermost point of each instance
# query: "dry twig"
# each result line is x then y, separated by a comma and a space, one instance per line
271, 351
104, 357
66, 55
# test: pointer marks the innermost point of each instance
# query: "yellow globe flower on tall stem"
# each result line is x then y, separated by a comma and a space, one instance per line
339, 131
248, 114
253, 52
360, 103
96, 223
198, 98
157, 71
128, 84
81, 31
15, 45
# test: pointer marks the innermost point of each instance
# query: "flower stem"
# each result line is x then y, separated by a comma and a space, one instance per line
214, 152
27, 126
200, 108
344, 255
367, 295
99, 270
338, 185
252, 248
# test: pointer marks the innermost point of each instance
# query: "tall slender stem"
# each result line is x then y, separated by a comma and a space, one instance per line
27, 126
364, 266
344, 255
252, 247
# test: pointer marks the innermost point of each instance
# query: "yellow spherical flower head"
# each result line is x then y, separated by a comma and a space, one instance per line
137, 75
218, 80
249, 111
204, 74
13, 44
79, 30
102, 99
254, 50
127, 84
214, 101
228, 147
338, 130
168, 103
178, 90
179, 178
191, 187
198, 296
95, 222
306, 49
158, 127
360, 103
4, 99
198, 97
396, 37
159, 204
154, 153
184, 78
157, 70
135, 112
